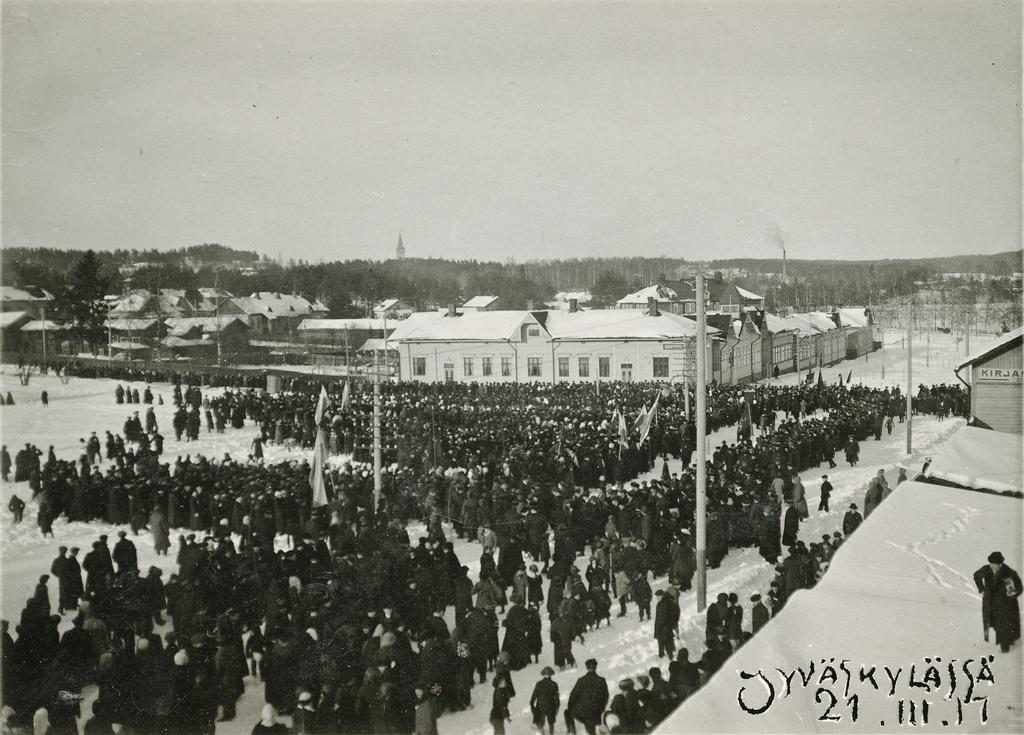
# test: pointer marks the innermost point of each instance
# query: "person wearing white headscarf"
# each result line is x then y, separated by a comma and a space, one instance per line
41, 722
268, 724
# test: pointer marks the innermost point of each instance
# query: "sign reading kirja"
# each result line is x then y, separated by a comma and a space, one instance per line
1001, 375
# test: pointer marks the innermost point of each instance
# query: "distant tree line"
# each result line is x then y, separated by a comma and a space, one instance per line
351, 288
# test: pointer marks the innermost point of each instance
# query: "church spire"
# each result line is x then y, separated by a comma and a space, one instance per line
400, 250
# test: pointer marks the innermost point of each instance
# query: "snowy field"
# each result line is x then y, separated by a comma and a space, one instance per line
627, 648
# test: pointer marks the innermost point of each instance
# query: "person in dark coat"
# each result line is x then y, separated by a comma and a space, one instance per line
791, 526
626, 706
666, 619
17, 508
544, 702
125, 555
851, 520
587, 700
1000, 587
852, 451
59, 570
516, 630
826, 491
161, 533
758, 613
5, 463
44, 517
499, 705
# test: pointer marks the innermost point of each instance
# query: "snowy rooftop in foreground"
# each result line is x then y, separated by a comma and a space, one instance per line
899, 590
982, 459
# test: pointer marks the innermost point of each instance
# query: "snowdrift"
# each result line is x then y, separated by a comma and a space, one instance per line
899, 594
981, 459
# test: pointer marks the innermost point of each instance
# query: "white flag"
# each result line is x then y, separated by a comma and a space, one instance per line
346, 397
645, 427
321, 406
316, 472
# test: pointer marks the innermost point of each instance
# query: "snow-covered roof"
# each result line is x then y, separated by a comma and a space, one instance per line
748, 294
818, 320
583, 297
125, 325
630, 324
899, 586
29, 293
777, 324
180, 326
41, 325
387, 304
479, 302
407, 326
373, 344
340, 325
274, 304
134, 301
655, 291
981, 459
127, 346
853, 317
211, 292
477, 326
7, 318
1010, 339
174, 341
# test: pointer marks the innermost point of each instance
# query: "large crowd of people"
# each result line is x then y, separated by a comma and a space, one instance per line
344, 616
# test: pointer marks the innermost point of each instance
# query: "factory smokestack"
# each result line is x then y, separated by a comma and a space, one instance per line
783, 265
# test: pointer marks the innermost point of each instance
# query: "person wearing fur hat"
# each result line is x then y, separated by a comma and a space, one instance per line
1001, 588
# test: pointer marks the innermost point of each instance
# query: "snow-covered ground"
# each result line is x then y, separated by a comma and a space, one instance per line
627, 648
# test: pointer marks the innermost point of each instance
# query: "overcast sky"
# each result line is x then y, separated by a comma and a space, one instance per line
859, 130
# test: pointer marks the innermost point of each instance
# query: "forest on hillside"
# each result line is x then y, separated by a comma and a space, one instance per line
349, 287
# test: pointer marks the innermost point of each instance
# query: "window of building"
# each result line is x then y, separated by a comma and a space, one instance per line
419, 366
506, 367
604, 367
660, 367
584, 367
689, 308
533, 367
485, 367
467, 366
563, 367
534, 332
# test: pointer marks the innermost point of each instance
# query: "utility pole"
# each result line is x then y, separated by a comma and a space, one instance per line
216, 301
377, 483
702, 480
910, 373
44, 338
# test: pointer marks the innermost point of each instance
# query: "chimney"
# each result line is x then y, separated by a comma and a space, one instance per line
530, 305
652, 306
783, 266
451, 309
574, 305
277, 294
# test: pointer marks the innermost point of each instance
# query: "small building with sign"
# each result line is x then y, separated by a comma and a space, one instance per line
995, 380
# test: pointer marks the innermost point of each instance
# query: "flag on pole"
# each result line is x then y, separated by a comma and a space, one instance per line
346, 397
321, 406
640, 418
849, 377
645, 428
623, 433
316, 472
840, 380
821, 381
